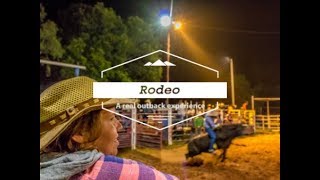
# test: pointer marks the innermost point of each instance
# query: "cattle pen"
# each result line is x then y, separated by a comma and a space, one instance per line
260, 117
268, 118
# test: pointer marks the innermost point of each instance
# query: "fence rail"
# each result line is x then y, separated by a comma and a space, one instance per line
148, 137
268, 122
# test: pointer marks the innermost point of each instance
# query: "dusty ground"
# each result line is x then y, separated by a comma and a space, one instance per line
249, 157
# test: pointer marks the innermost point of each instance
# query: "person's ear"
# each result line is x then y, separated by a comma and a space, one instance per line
78, 138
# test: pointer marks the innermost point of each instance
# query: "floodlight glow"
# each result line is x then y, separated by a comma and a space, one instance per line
177, 25
165, 20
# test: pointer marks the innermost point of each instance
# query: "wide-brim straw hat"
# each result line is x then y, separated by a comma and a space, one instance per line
66, 101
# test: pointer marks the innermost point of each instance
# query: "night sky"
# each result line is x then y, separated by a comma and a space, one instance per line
246, 30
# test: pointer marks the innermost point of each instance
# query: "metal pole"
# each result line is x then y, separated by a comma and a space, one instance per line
76, 72
232, 81
252, 102
43, 61
268, 114
171, 5
203, 106
168, 56
133, 129
168, 46
254, 117
170, 128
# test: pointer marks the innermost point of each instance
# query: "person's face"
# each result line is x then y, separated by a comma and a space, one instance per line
108, 143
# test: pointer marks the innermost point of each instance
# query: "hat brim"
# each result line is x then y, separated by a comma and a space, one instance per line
52, 134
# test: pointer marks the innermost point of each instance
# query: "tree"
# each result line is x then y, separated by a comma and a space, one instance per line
43, 14
74, 51
101, 40
99, 43
242, 89
50, 45
141, 41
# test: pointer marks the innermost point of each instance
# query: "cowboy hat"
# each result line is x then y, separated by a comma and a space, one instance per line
64, 102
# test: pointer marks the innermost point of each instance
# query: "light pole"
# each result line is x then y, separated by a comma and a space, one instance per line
232, 80
168, 43
168, 56
166, 21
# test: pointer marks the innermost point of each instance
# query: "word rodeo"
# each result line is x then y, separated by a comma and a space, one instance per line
159, 90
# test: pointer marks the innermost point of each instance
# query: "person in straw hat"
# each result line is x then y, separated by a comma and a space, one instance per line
78, 139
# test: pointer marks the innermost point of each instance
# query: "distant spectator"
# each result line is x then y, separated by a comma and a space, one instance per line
198, 124
146, 111
244, 105
230, 108
209, 107
181, 110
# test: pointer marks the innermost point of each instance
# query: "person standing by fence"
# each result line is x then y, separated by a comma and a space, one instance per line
198, 124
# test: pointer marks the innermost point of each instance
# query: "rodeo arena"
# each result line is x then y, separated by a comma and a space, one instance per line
245, 155
174, 140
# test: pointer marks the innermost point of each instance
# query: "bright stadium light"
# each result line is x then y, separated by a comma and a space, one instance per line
165, 20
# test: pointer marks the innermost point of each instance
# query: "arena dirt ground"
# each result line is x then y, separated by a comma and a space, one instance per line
249, 157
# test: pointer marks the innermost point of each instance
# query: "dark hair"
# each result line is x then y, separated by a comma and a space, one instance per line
88, 125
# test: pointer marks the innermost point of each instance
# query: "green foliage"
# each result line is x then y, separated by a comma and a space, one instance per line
99, 43
75, 52
43, 14
102, 40
50, 44
242, 89
141, 41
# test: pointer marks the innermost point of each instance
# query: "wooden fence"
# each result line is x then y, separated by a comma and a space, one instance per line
148, 137
271, 122
124, 138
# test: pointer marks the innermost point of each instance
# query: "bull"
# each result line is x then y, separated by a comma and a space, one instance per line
224, 136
